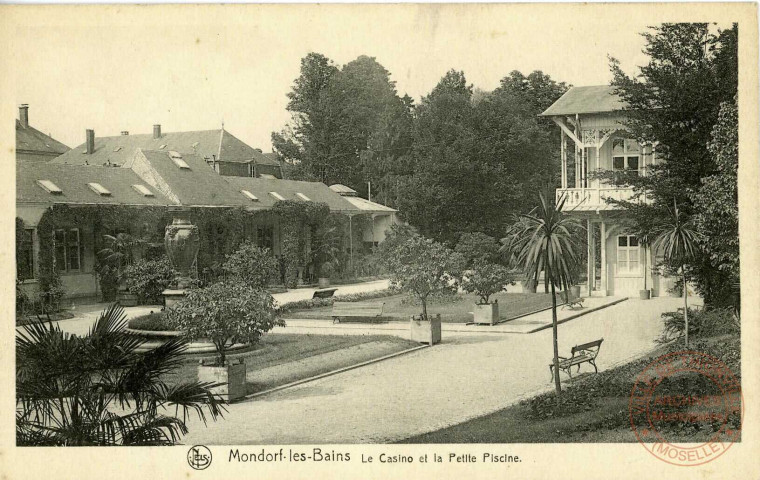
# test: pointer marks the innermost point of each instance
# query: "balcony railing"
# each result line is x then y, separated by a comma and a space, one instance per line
592, 198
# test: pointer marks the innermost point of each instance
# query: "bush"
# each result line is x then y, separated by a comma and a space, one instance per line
485, 279
477, 247
252, 265
706, 322
108, 279
23, 303
226, 313
419, 265
155, 322
148, 279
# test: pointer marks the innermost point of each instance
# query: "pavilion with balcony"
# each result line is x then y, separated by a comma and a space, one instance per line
594, 139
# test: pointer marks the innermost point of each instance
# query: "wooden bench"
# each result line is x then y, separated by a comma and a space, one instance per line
324, 293
573, 303
356, 309
583, 353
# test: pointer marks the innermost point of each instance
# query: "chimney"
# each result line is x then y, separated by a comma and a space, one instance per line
23, 114
156, 131
124, 132
90, 142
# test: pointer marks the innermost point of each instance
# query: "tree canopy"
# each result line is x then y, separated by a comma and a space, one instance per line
675, 102
461, 160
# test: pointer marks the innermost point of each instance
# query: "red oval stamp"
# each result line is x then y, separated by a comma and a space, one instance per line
686, 395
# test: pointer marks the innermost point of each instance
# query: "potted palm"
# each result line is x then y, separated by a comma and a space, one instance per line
225, 313
485, 279
545, 240
421, 267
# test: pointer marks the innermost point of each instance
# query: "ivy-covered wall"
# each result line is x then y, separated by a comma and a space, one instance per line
293, 226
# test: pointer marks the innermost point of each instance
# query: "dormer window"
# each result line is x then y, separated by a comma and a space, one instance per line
178, 161
143, 190
99, 189
303, 197
277, 195
251, 196
49, 187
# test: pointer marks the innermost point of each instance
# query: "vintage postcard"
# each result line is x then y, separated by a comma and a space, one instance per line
380, 241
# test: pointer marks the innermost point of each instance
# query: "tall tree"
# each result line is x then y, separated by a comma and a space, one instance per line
477, 159
674, 103
345, 122
306, 143
716, 201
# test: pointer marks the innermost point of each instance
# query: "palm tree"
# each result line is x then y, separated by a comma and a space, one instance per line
545, 240
678, 241
101, 389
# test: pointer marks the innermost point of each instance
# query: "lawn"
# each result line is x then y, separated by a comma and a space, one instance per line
453, 309
594, 409
279, 359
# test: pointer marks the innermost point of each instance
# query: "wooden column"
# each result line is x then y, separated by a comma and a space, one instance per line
603, 242
563, 150
577, 159
590, 273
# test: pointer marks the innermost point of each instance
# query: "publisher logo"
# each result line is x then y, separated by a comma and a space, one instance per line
199, 457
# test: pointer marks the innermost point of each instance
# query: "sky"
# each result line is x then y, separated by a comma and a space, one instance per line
130, 71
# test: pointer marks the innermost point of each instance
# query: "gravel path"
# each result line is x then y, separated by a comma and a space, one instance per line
469, 375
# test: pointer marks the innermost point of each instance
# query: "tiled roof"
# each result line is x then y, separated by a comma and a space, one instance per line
205, 143
198, 185
30, 139
595, 99
73, 180
288, 189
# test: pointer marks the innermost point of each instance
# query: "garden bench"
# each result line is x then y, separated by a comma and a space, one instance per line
579, 354
356, 309
324, 293
573, 303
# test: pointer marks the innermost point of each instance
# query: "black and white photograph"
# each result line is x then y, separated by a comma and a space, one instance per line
381, 241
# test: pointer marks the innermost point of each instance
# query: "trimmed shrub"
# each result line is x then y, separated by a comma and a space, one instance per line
226, 313
486, 279
154, 321
252, 265
148, 279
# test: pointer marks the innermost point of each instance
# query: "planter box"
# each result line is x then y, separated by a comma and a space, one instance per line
645, 294
426, 331
231, 377
171, 297
127, 299
486, 313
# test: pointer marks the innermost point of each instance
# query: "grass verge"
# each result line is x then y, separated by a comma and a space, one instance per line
279, 359
452, 309
595, 408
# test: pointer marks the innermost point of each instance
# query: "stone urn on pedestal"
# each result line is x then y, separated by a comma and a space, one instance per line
182, 242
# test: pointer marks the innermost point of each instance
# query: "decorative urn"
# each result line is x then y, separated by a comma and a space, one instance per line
182, 242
